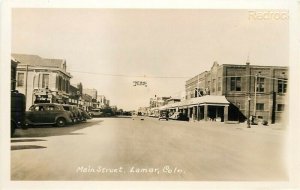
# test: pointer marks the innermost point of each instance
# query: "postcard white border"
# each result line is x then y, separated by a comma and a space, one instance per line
294, 118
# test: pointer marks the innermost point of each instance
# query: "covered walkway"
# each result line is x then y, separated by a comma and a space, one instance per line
210, 107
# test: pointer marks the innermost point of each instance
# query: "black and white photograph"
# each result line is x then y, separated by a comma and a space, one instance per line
149, 94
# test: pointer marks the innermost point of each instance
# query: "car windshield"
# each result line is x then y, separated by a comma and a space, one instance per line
67, 108
96, 110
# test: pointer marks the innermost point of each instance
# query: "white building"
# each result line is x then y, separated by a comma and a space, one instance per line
41, 79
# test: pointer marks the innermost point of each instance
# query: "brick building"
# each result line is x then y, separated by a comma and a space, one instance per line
237, 83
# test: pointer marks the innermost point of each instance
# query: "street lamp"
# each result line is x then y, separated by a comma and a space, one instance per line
248, 120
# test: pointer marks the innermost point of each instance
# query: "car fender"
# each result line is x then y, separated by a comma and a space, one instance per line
62, 116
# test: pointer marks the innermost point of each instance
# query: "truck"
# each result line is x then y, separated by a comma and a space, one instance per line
18, 108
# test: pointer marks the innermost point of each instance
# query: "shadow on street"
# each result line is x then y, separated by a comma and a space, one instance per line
49, 130
22, 147
26, 140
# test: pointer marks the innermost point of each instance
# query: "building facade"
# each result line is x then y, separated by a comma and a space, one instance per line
102, 101
41, 79
13, 74
158, 101
259, 91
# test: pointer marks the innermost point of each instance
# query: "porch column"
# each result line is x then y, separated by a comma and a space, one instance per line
189, 112
198, 113
205, 112
194, 113
225, 113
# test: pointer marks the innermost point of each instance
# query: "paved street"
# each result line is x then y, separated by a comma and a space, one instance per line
135, 149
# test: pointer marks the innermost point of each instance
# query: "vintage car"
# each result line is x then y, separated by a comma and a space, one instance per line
76, 113
179, 116
84, 114
18, 106
96, 112
48, 113
163, 115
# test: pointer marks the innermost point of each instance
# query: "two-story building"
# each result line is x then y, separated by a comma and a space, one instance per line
42, 79
102, 101
254, 90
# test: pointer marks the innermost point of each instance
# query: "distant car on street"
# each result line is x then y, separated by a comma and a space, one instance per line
96, 112
48, 113
179, 116
163, 115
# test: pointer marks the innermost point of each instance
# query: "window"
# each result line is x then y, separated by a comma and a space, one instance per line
20, 81
198, 92
59, 82
219, 83
260, 84
282, 85
37, 108
213, 85
45, 81
235, 83
260, 106
280, 107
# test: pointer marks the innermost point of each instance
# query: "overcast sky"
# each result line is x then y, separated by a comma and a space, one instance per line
163, 43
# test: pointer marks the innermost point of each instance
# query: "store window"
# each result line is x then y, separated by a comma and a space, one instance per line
45, 81
20, 80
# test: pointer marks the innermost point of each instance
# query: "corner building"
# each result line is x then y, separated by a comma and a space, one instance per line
259, 91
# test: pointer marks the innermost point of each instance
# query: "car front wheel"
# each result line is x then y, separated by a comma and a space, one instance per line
60, 122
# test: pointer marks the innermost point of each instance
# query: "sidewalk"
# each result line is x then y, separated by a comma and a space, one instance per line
271, 128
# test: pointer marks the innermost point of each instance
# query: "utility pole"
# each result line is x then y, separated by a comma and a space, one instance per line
26, 80
248, 93
255, 92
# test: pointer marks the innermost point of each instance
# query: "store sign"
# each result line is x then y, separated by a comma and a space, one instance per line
140, 83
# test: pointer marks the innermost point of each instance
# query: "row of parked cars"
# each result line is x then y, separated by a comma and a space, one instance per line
56, 114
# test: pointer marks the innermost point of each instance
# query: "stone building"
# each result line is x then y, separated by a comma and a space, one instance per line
254, 90
42, 79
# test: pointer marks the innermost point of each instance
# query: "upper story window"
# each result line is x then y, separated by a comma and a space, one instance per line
282, 86
45, 81
219, 84
20, 80
260, 84
260, 106
280, 107
213, 85
235, 83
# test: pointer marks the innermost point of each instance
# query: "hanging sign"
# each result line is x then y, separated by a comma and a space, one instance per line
140, 83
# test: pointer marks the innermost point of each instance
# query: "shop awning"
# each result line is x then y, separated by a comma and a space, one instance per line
203, 100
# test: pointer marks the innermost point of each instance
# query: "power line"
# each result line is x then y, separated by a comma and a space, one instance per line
128, 76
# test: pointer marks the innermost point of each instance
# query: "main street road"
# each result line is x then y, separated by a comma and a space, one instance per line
135, 149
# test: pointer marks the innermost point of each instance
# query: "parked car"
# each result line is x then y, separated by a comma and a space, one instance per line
179, 116
17, 110
96, 112
48, 113
163, 115
85, 114
76, 113
70, 108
